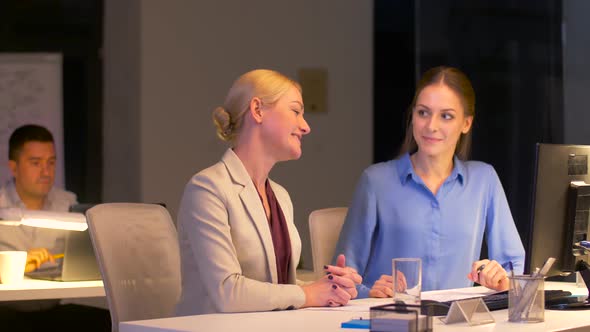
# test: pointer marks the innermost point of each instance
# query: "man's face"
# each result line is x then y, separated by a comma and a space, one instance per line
34, 169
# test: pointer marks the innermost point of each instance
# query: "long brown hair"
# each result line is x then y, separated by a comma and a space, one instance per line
458, 82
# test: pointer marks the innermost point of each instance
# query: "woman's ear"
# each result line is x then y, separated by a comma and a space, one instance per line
467, 124
256, 109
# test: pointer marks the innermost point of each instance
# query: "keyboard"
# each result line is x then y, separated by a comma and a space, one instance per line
499, 301
496, 301
47, 271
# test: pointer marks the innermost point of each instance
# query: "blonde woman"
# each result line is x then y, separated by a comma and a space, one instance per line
239, 245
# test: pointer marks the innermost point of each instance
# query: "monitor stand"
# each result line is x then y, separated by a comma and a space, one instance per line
584, 270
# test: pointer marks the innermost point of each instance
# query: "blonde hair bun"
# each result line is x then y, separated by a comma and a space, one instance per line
222, 120
268, 85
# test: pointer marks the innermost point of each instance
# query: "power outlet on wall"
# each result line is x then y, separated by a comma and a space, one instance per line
314, 82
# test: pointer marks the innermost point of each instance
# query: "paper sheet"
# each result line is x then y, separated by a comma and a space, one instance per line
457, 294
364, 305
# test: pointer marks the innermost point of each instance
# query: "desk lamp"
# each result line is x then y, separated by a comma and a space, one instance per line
71, 221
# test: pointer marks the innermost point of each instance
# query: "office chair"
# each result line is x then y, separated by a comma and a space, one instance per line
137, 251
324, 229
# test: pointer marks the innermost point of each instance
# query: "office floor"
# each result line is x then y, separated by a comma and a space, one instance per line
63, 318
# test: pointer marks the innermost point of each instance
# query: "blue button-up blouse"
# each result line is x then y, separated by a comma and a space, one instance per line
394, 214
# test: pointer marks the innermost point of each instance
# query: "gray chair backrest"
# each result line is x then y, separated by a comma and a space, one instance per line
324, 230
137, 251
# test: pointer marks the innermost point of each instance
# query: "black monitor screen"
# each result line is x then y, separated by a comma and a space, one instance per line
81, 207
554, 229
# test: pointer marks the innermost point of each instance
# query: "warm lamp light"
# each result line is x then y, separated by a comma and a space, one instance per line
45, 219
10, 216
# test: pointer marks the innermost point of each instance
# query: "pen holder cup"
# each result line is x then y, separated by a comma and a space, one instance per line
526, 299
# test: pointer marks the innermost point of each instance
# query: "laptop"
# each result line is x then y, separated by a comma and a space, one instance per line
79, 262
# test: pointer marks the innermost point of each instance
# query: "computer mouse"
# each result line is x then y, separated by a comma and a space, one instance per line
434, 308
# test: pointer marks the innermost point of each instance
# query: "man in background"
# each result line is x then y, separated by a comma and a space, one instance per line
31, 159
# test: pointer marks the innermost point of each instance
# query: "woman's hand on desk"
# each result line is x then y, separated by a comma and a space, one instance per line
345, 272
336, 288
383, 287
36, 257
326, 292
489, 274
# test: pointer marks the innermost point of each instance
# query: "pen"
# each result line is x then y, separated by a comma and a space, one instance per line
513, 284
483, 266
529, 291
547, 266
479, 269
539, 273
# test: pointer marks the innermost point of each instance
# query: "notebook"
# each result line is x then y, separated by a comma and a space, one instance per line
79, 262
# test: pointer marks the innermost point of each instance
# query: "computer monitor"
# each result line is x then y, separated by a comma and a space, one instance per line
555, 228
82, 207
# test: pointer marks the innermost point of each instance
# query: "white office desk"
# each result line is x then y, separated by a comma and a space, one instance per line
32, 289
327, 319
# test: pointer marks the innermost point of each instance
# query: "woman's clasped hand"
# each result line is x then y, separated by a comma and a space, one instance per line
336, 288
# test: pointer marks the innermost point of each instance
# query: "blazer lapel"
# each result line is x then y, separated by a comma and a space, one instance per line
251, 201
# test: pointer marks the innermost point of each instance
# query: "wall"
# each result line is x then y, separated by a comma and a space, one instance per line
121, 113
189, 54
576, 72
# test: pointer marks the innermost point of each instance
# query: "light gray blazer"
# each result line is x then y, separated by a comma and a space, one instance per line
227, 255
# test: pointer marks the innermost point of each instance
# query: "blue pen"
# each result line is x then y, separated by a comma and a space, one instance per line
513, 285
480, 268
